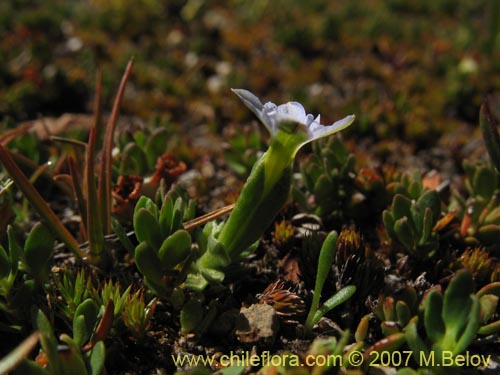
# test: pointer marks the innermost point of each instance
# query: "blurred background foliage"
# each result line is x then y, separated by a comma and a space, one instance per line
408, 69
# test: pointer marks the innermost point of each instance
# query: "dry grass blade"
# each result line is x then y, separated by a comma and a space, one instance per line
105, 172
36, 200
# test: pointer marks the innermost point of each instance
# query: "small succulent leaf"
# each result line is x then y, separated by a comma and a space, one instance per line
175, 249
388, 344
141, 203
152, 208
430, 199
415, 188
80, 333
427, 225
488, 234
401, 206
156, 144
4, 263
433, 322
389, 328
492, 288
178, 215
473, 323
417, 217
493, 216
362, 329
388, 220
191, 315
38, 250
457, 302
97, 358
325, 261
71, 360
322, 188
414, 341
133, 160
147, 229
48, 341
196, 282
148, 263
489, 304
484, 182
410, 297
388, 308
166, 216
212, 275
404, 233
403, 313
83, 329
215, 257
337, 299
489, 329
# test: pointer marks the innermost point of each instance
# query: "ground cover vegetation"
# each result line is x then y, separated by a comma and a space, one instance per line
159, 214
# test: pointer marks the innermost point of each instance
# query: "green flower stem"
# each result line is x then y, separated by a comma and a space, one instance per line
264, 193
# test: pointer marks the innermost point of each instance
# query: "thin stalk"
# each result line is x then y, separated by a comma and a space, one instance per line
94, 224
105, 172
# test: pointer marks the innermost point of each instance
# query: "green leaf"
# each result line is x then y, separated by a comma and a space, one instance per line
147, 229
175, 249
403, 312
489, 233
490, 133
427, 225
134, 160
4, 263
97, 358
191, 315
404, 233
337, 299
388, 220
48, 342
489, 304
401, 207
430, 199
166, 217
457, 302
484, 182
15, 251
433, 321
325, 261
156, 144
84, 321
414, 341
38, 250
71, 360
148, 263
472, 327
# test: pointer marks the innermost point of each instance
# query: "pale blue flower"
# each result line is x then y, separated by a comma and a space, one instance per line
273, 116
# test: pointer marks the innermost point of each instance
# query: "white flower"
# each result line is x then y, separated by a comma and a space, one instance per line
272, 116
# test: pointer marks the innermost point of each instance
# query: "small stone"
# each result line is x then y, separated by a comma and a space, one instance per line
257, 324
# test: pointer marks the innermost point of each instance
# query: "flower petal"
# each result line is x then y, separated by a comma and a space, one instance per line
291, 111
318, 131
256, 106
